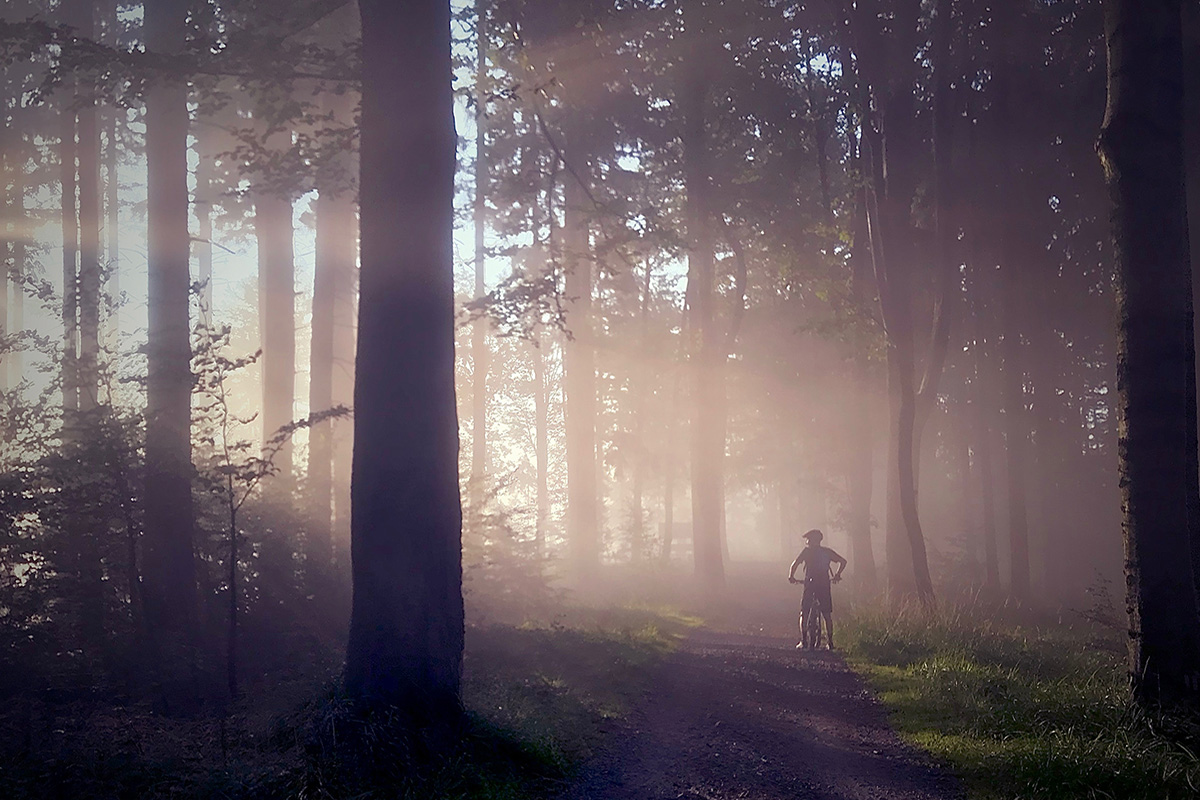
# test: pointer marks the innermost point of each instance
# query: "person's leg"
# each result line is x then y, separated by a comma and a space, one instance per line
829, 629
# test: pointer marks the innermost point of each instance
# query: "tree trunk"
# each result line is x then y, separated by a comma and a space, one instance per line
112, 201
579, 368
204, 211
406, 628
89, 248
7, 246
70, 307
983, 409
1016, 425
642, 393
479, 351
708, 443
16, 310
335, 256
894, 180
1141, 150
541, 412
277, 323
860, 471
169, 564
1191, 116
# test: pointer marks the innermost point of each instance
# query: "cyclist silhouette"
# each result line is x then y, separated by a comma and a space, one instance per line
817, 561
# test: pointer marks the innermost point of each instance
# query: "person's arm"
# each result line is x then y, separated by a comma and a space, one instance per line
841, 562
795, 566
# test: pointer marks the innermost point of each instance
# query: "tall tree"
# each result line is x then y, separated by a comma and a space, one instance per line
887, 66
579, 378
406, 627
87, 373
479, 349
335, 257
170, 573
277, 319
708, 434
1141, 149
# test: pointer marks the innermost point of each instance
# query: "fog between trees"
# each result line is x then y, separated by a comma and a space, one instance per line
722, 271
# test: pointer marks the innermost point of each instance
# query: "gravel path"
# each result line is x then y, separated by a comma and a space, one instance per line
750, 717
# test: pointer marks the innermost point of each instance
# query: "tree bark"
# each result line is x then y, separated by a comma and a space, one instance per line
406, 629
82, 19
542, 444
1141, 149
277, 323
708, 443
1016, 424
169, 565
642, 398
335, 256
893, 154
204, 211
479, 351
16, 309
70, 308
1191, 116
579, 368
112, 200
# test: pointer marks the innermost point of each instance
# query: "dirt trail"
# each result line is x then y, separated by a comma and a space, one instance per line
750, 717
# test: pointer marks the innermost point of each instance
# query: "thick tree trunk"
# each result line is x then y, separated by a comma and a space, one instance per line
406, 628
277, 323
1141, 150
1191, 148
169, 565
579, 368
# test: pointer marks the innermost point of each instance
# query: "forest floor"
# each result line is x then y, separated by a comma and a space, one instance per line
733, 715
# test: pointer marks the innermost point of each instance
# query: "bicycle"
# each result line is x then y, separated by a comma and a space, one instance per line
812, 627
813, 622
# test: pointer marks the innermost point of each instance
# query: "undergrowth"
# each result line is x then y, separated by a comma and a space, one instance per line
538, 697
1019, 712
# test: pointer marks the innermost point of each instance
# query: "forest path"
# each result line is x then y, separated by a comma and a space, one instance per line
750, 717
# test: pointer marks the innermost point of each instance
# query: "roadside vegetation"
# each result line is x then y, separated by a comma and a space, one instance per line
540, 697
1022, 711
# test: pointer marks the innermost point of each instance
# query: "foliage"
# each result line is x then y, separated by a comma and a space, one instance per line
1020, 712
538, 698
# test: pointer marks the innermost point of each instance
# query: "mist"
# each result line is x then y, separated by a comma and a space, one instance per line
469, 375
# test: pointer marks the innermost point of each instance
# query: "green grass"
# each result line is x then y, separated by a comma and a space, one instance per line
1018, 712
539, 698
